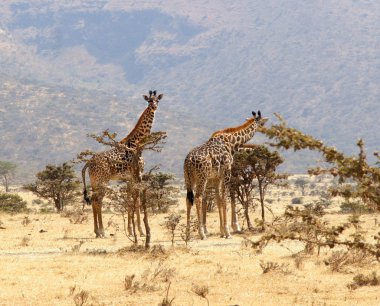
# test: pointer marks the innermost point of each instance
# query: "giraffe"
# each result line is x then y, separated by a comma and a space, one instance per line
211, 163
139, 132
234, 219
122, 161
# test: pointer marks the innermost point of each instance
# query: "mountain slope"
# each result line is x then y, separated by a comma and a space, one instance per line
72, 68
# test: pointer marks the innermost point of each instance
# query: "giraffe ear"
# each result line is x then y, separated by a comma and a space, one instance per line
146, 97
160, 96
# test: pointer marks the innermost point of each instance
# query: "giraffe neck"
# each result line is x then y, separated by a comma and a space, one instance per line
142, 128
237, 136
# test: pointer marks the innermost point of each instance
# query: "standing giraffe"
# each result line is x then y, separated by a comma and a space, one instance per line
122, 161
211, 163
248, 148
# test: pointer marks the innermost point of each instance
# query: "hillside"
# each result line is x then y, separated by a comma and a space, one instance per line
70, 68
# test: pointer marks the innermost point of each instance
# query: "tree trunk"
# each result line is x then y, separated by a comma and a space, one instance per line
58, 202
262, 204
146, 223
246, 214
134, 226
6, 183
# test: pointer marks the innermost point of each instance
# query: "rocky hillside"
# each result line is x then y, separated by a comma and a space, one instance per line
75, 67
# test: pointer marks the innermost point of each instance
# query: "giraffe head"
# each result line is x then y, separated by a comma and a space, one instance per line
153, 99
260, 121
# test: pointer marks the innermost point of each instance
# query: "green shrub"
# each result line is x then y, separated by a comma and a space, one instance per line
12, 203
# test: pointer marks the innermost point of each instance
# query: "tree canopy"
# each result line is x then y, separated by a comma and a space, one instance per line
7, 170
356, 176
57, 183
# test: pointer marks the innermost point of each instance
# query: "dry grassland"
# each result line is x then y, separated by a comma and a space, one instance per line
47, 260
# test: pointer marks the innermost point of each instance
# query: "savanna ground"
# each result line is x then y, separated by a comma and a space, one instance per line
48, 260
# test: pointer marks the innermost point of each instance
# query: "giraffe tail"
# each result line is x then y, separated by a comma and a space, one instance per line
190, 196
190, 193
85, 195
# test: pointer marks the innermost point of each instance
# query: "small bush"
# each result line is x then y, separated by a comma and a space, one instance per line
76, 216
76, 248
128, 282
297, 201
171, 224
81, 298
25, 241
12, 203
361, 280
26, 221
37, 202
79, 295
274, 267
150, 279
46, 208
339, 260
299, 260
201, 291
166, 301
355, 207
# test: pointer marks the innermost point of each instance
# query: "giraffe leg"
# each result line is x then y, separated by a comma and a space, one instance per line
219, 204
100, 220
101, 228
227, 233
188, 218
95, 214
198, 204
96, 207
199, 194
234, 218
204, 215
137, 210
97, 210
224, 185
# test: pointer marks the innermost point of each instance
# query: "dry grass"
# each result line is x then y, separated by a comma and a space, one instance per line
66, 265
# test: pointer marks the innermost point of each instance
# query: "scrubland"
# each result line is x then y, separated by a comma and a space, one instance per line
48, 259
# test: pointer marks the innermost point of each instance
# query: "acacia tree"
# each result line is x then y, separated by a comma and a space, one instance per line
159, 193
7, 171
357, 179
57, 183
301, 183
254, 168
241, 184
